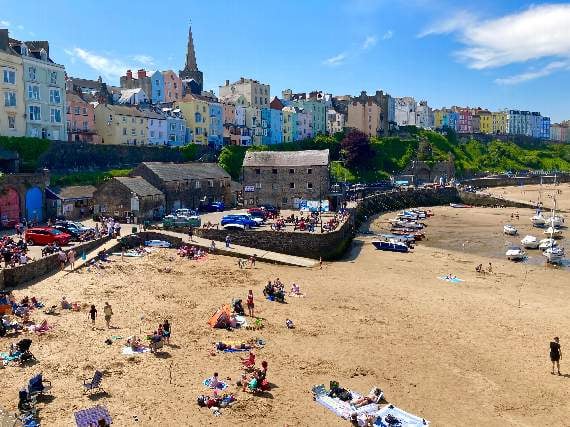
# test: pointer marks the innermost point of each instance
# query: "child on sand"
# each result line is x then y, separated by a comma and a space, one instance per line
555, 354
93, 314
250, 304
166, 331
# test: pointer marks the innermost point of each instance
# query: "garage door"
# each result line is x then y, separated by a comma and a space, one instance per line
9, 207
34, 205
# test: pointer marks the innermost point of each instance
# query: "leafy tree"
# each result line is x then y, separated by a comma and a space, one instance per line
190, 152
29, 149
356, 149
231, 160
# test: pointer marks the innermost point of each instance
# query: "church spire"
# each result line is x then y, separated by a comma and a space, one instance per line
190, 53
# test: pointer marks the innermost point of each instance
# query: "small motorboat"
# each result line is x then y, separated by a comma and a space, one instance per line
555, 221
547, 243
408, 239
554, 254
157, 243
390, 245
515, 254
510, 230
459, 205
553, 232
538, 220
530, 242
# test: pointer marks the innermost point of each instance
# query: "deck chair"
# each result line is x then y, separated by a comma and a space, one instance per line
38, 386
91, 384
23, 347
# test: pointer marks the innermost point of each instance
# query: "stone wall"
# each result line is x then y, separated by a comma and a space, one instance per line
35, 270
65, 156
516, 181
490, 201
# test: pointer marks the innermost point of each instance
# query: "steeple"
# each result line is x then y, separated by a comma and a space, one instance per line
190, 71
191, 54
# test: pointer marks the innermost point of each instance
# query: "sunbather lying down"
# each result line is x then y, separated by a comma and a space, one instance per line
375, 396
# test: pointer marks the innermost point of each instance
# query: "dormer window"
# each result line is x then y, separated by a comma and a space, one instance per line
43, 55
24, 50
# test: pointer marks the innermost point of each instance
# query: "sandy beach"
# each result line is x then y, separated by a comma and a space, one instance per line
532, 193
468, 354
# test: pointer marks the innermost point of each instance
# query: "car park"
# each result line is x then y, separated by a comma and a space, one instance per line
244, 220
171, 221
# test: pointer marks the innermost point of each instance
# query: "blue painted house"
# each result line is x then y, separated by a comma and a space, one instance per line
157, 87
265, 126
276, 124
451, 120
216, 125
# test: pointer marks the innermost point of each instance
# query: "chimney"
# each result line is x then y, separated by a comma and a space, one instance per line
242, 80
141, 73
227, 82
129, 74
3, 39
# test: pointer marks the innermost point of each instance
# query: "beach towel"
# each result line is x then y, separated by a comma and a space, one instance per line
221, 385
128, 351
406, 419
9, 358
344, 409
90, 417
451, 280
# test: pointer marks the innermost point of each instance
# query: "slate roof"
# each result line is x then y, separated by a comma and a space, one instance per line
287, 158
186, 171
73, 192
138, 185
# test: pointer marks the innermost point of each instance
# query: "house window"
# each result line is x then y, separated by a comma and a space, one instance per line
68, 125
132, 119
84, 111
133, 132
258, 185
124, 119
309, 171
85, 126
284, 200
11, 122
211, 183
68, 109
9, 76
291, 185
257, 171
54, 96
32, 73
152, 134
309, 185
291, 170
53, 77
35, 113
141, 121
124, 131
197, 184
34, 92
9, 99
274, 171
55, 115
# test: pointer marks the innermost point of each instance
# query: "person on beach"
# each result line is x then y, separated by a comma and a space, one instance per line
490, 268
555, 354
320, 263
166, 331
93, 314
108, 312
71, 258
228, 241
191, 233
62, 258
253, 259
250, 304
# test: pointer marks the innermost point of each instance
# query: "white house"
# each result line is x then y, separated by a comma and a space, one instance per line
133, 97
157, 128
405, 111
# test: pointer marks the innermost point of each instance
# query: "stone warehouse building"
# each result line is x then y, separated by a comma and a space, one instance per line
284, 178
188, 185
129, 197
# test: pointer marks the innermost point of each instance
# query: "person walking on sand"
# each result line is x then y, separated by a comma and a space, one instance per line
93, 314
555, 354
320, 263
191, 233
71, 258
108, 312
228, 241
62, 257
166, 331
250, 304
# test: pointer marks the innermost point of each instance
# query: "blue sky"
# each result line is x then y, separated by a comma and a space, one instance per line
494, 54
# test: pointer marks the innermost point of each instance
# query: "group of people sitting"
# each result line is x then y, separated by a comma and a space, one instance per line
257, 380
275, 291
481, 269
13, 253
191, 252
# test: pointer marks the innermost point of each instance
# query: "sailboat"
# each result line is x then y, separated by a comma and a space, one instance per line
553, 254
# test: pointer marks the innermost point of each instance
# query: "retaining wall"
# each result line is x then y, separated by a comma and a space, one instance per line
516, 181
35, 270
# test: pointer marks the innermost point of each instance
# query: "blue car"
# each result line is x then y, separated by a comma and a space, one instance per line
213, 207
238, 219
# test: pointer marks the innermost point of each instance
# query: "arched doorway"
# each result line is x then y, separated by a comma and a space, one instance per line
34, 205
9, 207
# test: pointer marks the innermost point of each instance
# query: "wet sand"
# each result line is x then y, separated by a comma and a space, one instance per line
533, 193
468, 354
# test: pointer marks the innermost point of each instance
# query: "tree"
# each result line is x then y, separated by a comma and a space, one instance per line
231, 160
356, 148
190, 152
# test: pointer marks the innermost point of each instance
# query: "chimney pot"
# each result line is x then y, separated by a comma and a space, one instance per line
129, 74
141, 73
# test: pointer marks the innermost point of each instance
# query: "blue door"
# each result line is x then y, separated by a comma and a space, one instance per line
34, 206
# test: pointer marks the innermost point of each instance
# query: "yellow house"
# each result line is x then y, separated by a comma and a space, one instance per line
499, 122
13, 111
438, 118
121, 125
195, 111
485, 122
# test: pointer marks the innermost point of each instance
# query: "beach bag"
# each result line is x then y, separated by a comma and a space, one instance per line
202, 401
345, 395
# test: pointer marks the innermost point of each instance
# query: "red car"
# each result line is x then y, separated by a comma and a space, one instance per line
46, 236
258, 213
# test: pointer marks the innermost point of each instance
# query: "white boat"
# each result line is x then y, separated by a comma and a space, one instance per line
530, 242
554, 254
553, 232
538, 220
515, 254
547, 243
555, 221
510, 230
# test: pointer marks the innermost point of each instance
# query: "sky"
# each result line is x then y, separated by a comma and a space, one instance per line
493, 54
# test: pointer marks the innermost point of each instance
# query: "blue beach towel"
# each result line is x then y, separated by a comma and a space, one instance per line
450, 280
221, 385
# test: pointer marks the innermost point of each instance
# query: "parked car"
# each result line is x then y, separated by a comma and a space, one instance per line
212, 207
73, 232
244, 220
274, 210
258, 213
234, 226
46, 236
170, 221
74, 225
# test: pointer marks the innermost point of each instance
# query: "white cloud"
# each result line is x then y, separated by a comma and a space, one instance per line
534, 74
108, 67
388, 35
335, 60
5, 23
144, 59
369, 42
538, 32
